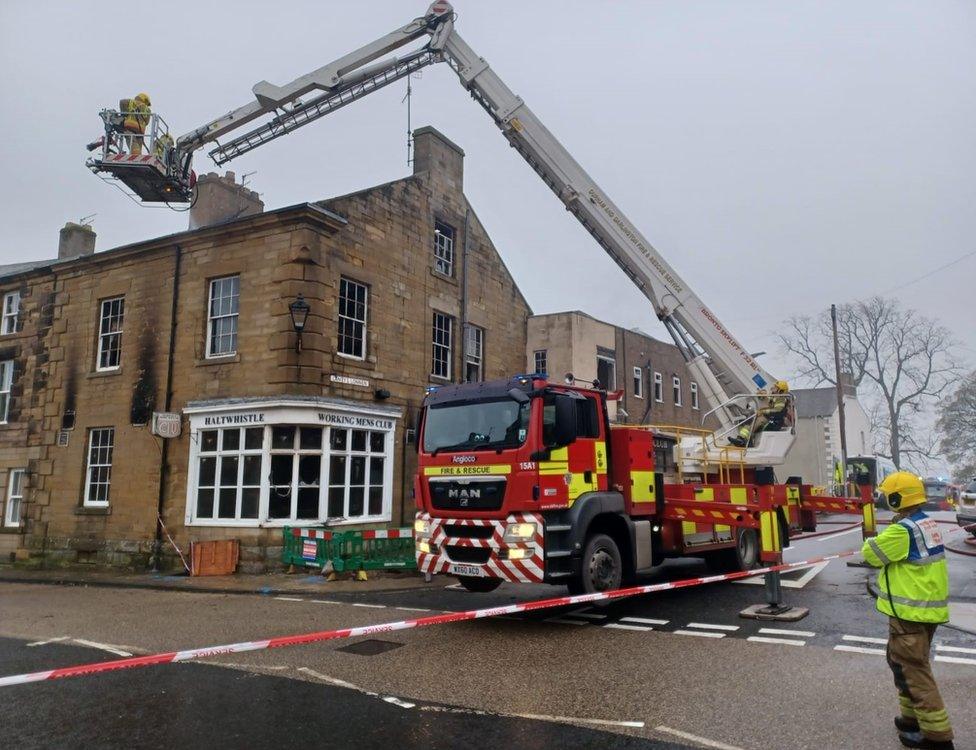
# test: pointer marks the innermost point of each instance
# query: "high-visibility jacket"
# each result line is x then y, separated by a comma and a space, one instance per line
136, 115
914, 580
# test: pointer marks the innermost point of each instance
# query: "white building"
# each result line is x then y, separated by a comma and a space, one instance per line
817, 445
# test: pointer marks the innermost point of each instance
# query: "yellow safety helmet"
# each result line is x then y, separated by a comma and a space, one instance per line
782, 386
144, 98
902, 490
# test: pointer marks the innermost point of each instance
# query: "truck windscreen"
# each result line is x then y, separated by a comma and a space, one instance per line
478, 425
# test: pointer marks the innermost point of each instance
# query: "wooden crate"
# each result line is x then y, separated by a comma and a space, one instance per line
216, 558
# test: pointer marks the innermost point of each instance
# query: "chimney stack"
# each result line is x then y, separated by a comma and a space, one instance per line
435, 153
219, 199
76, 239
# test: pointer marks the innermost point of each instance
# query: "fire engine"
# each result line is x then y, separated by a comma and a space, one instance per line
526, 479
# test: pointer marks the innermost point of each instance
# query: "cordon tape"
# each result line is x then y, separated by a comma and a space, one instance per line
389, 627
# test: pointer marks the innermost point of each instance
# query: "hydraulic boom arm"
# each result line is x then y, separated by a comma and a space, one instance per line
728, 375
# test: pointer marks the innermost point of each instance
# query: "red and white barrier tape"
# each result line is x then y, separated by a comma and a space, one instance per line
420, 622
389, 627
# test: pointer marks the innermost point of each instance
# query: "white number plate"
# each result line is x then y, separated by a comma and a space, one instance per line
466, 570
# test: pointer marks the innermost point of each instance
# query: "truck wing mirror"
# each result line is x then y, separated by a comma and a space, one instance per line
564, 429
519, 396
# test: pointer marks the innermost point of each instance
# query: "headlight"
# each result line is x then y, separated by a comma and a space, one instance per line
517, 532
424, 547
517, 553
421, 527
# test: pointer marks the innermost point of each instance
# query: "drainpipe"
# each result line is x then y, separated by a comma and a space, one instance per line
168, 402
464, 298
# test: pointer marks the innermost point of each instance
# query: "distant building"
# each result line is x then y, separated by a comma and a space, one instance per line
657, 386
817, 447
404, 288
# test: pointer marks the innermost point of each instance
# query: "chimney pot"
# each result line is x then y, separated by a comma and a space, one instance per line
219, 199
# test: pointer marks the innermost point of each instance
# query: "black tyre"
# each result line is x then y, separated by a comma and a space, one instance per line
600, 569
479, 585
744, 556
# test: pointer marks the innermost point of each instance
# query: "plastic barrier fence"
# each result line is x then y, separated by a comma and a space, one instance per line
349, 550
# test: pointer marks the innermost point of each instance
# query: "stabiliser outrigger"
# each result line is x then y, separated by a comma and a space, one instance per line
734, 385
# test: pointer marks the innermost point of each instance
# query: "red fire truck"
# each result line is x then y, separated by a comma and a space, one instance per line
526, 480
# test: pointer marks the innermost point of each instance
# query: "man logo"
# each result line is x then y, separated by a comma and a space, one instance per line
464, 459
463, 494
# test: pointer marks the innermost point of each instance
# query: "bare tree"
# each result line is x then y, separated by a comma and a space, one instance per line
957, 427
904, 358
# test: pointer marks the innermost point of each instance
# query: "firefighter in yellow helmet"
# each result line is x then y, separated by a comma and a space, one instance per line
773, 414
914, 594
135, 113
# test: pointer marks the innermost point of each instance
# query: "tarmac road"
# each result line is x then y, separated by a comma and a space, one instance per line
644, 672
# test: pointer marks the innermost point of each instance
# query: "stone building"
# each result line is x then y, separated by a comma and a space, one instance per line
656, 385
399, 287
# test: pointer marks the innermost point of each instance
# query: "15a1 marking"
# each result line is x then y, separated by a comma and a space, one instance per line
527, 466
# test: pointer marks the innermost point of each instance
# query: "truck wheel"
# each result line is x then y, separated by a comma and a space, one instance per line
600, 568
479, 585
743, 556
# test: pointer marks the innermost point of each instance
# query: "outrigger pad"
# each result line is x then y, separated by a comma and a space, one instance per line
769, 612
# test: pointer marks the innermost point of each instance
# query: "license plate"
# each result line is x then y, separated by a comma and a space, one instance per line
466, 570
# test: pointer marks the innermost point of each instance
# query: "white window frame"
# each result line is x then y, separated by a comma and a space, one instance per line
239, 454
89, 465
105, 314
11, 312
6, 384
638, 383
440, 346
474, 352
212, 319
15, 480
293, 414
658, 388
444, 248
694, 396
351, 320
541, 355
676, 389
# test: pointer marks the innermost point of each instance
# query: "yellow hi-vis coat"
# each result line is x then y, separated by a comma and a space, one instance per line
914, 580
136, 115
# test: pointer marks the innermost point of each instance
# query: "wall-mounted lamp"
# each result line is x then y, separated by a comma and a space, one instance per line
299, 314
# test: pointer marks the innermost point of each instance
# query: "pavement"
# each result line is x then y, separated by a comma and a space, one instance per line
674, 669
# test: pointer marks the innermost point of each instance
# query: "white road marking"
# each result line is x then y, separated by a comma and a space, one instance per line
49, 640
252, 667
455, 587
700, 633
955, 659
111, 648
786, 641
589, 615
622, 626
335, 681
864, 639
789, 583
833, 536
644, 620
289, 599
398, 702
580, 720
709, 626
323, 601
413, 609
784, 631
695, 738
954, 649
370, 606
860, 650
564, 621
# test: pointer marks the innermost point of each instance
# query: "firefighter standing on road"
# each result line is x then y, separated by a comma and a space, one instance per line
136, 113
914, 593
773, 416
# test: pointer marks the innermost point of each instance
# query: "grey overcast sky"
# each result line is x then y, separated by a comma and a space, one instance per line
782, 156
